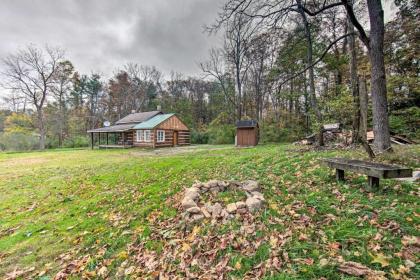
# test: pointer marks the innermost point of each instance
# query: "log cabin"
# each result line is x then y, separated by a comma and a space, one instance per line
146, 129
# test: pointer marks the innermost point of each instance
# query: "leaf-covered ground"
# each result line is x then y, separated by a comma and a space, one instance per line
115, 214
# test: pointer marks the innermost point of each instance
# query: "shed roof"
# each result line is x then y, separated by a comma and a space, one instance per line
114, 128
246, 123
138, 117
153, 122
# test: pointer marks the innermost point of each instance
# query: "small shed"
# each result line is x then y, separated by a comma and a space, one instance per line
247, 133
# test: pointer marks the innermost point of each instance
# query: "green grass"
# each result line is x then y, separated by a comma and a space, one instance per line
57, 206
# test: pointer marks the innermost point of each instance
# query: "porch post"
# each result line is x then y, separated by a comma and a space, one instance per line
99, 138
107, 138
91, 139
123, 136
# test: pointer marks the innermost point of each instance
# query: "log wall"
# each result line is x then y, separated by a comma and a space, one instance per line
184, 137
169, 138
169, 126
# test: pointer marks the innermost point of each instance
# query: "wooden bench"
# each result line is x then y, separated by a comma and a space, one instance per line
373, 170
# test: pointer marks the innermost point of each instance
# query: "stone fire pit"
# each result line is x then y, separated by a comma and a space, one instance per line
195, 210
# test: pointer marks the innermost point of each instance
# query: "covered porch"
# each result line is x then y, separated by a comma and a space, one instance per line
112, 137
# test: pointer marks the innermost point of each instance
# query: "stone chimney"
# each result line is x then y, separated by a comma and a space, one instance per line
159, 108
133, 111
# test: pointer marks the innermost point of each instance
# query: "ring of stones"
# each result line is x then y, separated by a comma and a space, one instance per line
193, 213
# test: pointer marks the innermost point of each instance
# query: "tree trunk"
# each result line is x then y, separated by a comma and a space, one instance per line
239, 89
363, 97
354, 84
378, 80
309, 63
41, 128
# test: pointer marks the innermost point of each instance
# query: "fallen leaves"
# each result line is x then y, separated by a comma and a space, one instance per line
354, 268
18, 273
381, 259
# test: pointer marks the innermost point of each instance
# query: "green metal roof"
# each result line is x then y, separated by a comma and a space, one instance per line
151, 123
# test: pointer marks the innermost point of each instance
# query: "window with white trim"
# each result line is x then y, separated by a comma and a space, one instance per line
161, 135
147, 136
139, 134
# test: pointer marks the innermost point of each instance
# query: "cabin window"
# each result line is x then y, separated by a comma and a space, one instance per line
161, 136
147, 136
143, 135
139, 135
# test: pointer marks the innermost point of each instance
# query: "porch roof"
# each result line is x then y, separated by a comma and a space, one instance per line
114, 128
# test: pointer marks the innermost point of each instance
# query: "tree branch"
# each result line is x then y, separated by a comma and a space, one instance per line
318, 60
362, 34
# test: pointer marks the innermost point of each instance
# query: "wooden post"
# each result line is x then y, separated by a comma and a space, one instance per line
99, 139
373, 183
107, 138
123, 139
339, 175
91, 139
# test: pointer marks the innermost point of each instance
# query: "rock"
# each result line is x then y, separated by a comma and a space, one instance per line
193, 193
188, 203
198, 185
216, 210
224, 213
213, 184
223, 185
240, 204
231, 208
241, 210
250, 186
253, 204
197, 217
205, 212
258, 195
194, 210
234, 184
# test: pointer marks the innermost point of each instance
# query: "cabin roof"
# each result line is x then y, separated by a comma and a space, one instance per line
153, 122
135, 118
246, 123
113, 128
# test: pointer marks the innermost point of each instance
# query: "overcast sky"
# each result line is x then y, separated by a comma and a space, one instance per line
102, 35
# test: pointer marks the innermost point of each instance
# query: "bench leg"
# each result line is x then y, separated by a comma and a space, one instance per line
373, 183
339, 175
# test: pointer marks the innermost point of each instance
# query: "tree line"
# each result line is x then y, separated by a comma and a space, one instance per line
292, 65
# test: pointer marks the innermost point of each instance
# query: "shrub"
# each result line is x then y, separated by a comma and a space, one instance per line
221, 134
76, 142
199, 137
18, 141
273, 132
221, 130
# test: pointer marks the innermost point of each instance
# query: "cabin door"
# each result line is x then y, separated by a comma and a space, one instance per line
175, 138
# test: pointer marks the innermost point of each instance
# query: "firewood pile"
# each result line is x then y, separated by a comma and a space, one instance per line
336, 136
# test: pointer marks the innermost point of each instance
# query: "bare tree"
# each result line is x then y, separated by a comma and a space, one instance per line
31, 72
215, 67
15, 102
274, 12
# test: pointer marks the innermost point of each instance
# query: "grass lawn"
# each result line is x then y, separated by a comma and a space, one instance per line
116, 213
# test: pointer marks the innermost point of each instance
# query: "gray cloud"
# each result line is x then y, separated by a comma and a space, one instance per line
102, 35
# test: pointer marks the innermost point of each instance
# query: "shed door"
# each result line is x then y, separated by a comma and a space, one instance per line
246, 137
